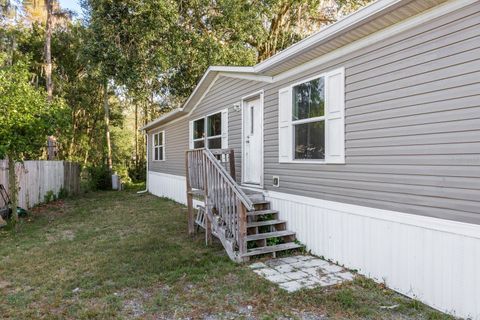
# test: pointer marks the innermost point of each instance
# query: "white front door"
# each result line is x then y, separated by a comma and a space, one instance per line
253, 142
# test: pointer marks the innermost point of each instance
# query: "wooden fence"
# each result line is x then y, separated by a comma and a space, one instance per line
37, 178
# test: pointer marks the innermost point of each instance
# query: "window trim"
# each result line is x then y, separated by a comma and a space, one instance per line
308, 120
325, 118
162, 146
193, 130
206, 138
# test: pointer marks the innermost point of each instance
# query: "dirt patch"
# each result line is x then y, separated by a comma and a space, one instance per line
4, 284
61, 236
51, 210
133, 308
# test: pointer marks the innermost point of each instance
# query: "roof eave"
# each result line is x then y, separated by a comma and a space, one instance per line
175, 113
211, 73
261, 70
333, 30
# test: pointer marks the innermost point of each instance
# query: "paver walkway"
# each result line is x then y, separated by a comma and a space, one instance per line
299, 272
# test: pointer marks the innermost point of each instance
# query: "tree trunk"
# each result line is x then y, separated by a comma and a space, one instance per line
107, 125
51, 141
136, 135
48, 50
13, 189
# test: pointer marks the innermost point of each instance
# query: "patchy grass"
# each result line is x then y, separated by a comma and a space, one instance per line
123, 255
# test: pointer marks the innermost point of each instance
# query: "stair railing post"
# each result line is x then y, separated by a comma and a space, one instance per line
231, 160
191, 223
242, 228
208, 213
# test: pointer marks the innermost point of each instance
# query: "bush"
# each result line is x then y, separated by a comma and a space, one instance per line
63, 193
122, 172
99, 178
49, 197
138, 172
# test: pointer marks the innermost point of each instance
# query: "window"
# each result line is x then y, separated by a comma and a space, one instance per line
199, 133
159, 146
214, 132
312, 120
308, 119
209, 132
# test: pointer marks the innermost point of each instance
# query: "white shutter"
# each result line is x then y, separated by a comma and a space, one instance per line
224, 128
153, 145
335, 116
164, 146
190, 135
285, 125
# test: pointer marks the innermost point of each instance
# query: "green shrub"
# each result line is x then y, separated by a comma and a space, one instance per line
63, 193
138, 172
346, 298
123, 173
99, 178
49, 197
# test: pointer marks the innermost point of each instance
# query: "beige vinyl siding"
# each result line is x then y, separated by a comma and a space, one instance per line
412, 124
176, 142
225, 93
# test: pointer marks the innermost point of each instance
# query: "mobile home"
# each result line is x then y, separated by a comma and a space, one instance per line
364, 138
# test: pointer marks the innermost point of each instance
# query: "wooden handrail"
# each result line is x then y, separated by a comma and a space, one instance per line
228, 154
226, 204
235, 187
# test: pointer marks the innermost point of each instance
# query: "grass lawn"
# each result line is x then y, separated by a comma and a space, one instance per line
122, 255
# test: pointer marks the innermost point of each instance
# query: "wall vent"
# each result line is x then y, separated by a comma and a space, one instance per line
276, 181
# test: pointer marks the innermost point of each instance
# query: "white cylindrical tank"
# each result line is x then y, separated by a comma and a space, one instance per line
115, 181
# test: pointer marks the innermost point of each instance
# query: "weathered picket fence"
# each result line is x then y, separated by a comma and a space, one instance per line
37, 178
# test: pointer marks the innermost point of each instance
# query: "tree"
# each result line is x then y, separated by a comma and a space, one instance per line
8, 10
237, 32
128, 46
48, 49
155, 51
26, 119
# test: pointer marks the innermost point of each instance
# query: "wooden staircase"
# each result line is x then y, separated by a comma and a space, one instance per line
266, 233
240, 218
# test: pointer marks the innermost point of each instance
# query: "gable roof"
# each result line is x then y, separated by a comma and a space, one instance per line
379, 15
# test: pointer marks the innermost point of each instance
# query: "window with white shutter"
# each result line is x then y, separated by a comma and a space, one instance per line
311, 120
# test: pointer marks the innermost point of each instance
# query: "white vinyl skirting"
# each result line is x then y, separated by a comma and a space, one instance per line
433, 260
169, 186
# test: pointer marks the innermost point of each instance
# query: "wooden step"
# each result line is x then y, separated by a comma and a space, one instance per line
269, 249
197, 192
267, 235
261, 212
255, 202
256, 197
264, 223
